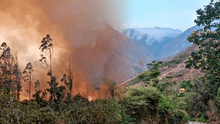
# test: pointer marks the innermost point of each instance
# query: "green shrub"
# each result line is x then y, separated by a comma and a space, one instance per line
169, 77
165, 104
43, 115
104, 111
141, 103
179, 116
203, 120
154, 74
142, 75
185, 84
125, 118
150, 104
164, 84
192, 119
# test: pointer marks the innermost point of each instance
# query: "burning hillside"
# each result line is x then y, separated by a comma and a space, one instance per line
80, 29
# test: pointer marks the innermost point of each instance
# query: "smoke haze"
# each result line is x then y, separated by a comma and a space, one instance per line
80, 30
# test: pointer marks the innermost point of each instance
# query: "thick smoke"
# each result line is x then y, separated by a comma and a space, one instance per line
79, 28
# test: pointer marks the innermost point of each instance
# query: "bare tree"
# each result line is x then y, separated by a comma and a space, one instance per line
142, 63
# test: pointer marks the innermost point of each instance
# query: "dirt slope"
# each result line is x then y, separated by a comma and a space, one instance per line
174, 67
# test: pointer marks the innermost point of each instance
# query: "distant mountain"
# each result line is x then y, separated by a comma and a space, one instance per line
151, 35
151, 40
177, 44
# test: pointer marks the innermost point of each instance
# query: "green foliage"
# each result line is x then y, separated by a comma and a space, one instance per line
141, 103
125, 118
138, 95
173, 62
203, 120
105, 111
151, 75
179, 116
165, 104
154, 74
169, 76
150, 104
207, 39
154, 66
198, 96
144, 76
192, 119
43, 115
186, 84
163, 85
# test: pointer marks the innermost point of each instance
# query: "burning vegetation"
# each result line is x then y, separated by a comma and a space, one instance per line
58, 90
81, 48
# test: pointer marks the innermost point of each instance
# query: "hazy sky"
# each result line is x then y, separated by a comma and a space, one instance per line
176, 14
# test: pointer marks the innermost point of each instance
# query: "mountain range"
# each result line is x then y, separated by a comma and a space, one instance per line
160, 43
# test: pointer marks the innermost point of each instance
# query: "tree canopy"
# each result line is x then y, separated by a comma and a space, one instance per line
207, 57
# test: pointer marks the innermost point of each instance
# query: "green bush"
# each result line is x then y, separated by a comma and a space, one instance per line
165, 104
104, 111
125, 118
179, 116
203, 120
141, 103
192, 119
169, 77
43, 115
186, 84
154, 74
150, 104
162, 86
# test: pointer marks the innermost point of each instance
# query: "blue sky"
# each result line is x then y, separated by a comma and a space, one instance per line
176, 14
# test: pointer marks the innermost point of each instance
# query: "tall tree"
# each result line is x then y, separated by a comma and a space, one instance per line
27, 76
7, 66
17, 74
56, 92
47, 51
208, 40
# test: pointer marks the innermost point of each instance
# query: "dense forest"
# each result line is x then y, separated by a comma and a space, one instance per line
162, 101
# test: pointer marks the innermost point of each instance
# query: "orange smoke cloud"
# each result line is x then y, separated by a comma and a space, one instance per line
79, 28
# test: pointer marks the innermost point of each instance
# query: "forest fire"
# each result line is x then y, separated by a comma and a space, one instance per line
79, 30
